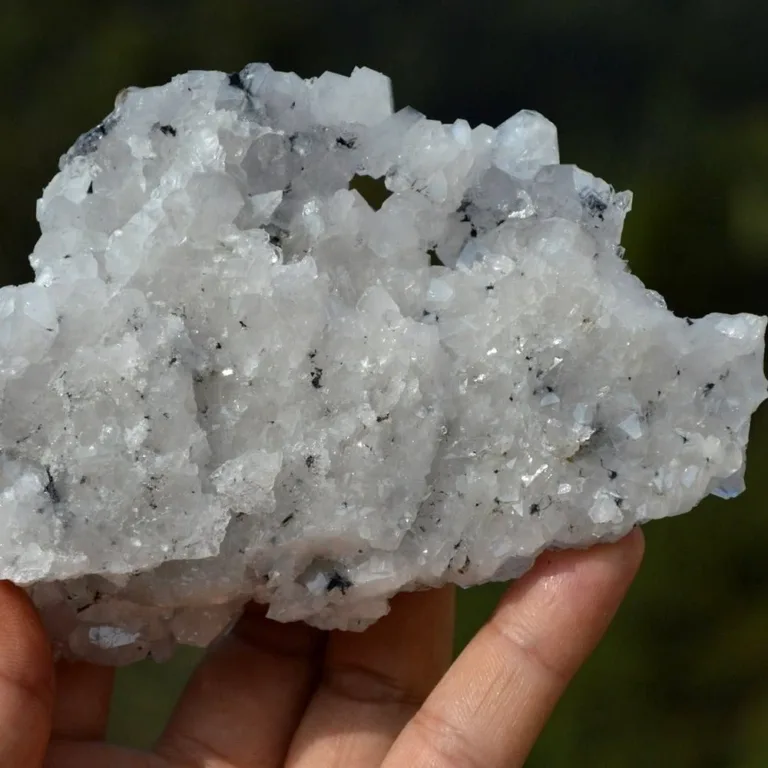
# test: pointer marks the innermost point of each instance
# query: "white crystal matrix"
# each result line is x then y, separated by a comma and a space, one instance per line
235, 378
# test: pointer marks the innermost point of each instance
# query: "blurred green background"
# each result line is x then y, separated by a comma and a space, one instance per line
664, 97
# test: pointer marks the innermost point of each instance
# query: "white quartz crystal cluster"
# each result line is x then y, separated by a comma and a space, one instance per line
236, 377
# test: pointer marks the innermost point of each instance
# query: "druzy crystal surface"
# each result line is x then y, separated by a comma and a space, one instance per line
236, 378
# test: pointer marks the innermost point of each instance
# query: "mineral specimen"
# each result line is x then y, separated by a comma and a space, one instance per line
236, 378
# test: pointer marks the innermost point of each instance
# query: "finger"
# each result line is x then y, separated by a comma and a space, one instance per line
373, 683
83, 693
245, 701
26, 681
491, 706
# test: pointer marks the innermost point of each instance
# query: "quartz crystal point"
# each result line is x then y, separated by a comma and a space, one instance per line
235, 378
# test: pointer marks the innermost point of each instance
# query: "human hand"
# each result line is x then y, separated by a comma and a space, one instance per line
276, 696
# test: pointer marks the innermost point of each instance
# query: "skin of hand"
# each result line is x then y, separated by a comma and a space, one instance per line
286, 695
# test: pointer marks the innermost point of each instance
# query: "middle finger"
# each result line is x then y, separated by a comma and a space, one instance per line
247, 697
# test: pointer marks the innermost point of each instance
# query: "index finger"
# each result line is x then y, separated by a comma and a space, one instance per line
491, 706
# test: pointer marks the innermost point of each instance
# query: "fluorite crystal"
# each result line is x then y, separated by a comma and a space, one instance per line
237, 378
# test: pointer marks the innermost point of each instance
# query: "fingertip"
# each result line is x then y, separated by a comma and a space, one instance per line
571, 594
634, 542
615, 562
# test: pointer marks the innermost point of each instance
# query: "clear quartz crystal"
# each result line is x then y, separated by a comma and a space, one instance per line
234, 378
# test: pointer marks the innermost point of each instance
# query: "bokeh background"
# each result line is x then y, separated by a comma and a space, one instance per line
664, 97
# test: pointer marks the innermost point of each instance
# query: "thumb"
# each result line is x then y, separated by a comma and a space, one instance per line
26, 682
